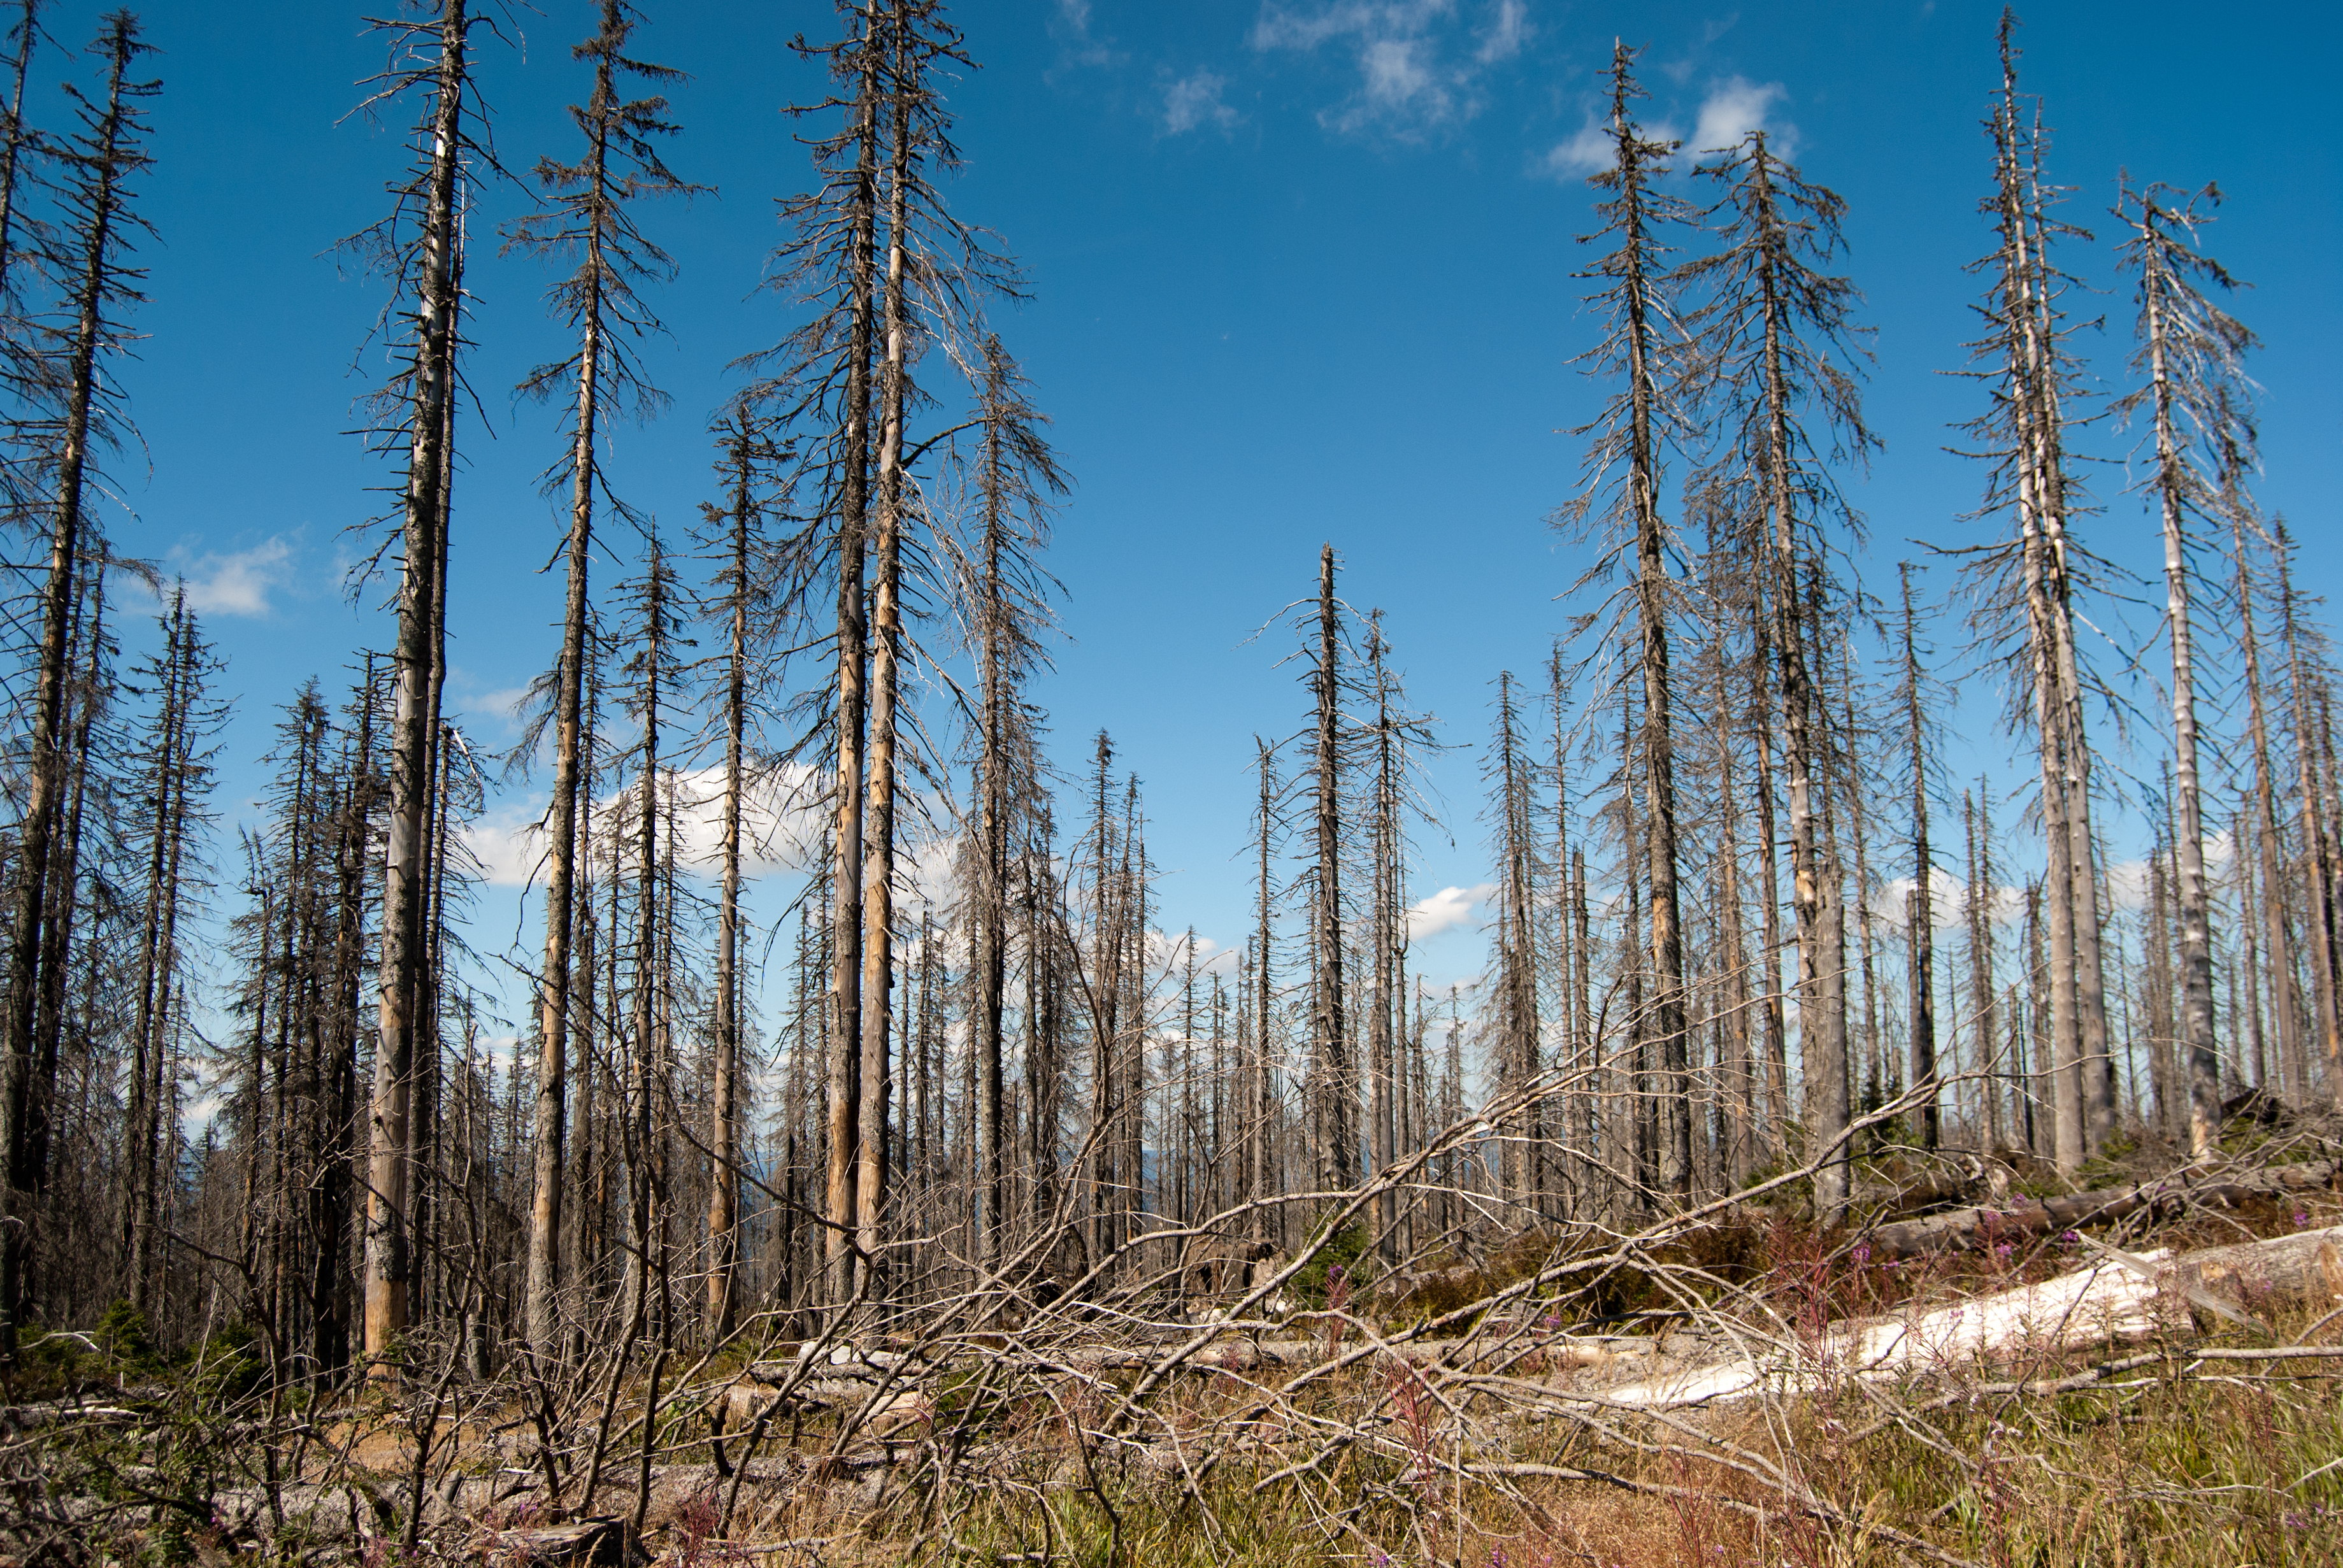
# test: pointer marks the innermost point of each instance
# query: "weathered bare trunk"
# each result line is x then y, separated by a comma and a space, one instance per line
990, 1178
101, 216
723, 1109
1978, 908
414, 659
540, 1303
1920, 922
841, 1205
2317, 855
646, 1262
1387, 930
2285, 1009
1737, 1072
1339, 1085
2204, 1064
1256, 1166
1639, 285
32, 1176
2072, 922
886, 654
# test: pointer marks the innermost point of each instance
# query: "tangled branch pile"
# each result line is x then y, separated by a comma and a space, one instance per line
1731, 1381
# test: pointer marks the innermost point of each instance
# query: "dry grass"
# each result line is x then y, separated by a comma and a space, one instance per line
1460, 1422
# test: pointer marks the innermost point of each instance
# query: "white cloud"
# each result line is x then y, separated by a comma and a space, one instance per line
2127, 883
1168, 952
1283, 27
1195, 100
1590, 152
233, 582
780, 827
506, 846
1396, 75
1074, 24
1416, 68
1508, 29
1446, 910
1734, 108
500, 706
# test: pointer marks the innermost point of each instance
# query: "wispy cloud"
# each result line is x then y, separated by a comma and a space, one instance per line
1195, 100
1730, 109
1417, 66
1168, 952
500, 706
780, 826
1446, 910
1589, 152
1507, 31
233, 582
1078, 44
2126, 883
1734, 107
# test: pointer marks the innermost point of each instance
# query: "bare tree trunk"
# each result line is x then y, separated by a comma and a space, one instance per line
724, 1116
2285, 1009
155, 950
1737, 1072
1332, 1027
2318, 857
413, 660
1920, 922
2081, 1066
1260, 1110
841, 1205
2196, 921
1978, 902
586, 1215
540, 1309
1769, 965
989, 1176
886, 651
111, 154
645, 1267
88, 642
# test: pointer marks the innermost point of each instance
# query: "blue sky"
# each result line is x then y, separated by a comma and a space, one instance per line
1301, 271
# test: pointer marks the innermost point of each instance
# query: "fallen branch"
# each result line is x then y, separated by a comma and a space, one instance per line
2027, 1217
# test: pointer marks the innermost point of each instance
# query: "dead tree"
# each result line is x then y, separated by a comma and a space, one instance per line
1514, 983
1919, 921
106, 154
1334, 1076
1008, 596
1779, 359
2317, 847
178, 674
2190, 358
2022, 356
655, 678
587, 215
823, 372
1642, 346
756, 590
417, 248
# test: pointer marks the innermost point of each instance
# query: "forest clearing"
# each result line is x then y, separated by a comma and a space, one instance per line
759, 1107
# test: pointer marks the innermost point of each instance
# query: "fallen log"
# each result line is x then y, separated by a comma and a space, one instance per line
584, 1544
2129, 1296
2021, 1217
2309, 1266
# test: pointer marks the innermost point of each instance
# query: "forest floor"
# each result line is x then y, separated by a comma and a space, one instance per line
2156, 1381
